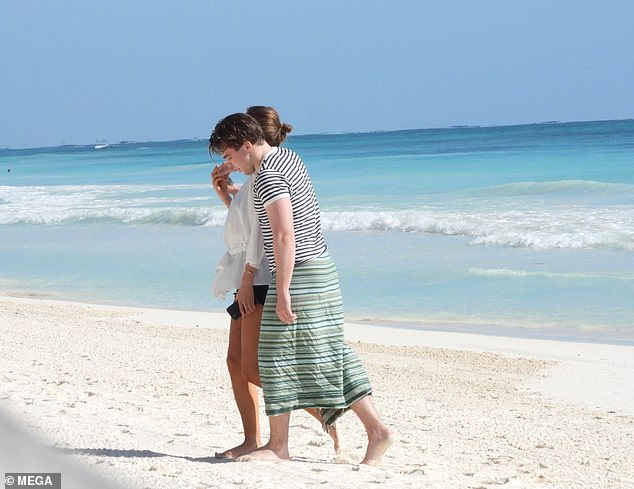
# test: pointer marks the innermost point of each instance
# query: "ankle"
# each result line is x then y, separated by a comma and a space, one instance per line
378, 431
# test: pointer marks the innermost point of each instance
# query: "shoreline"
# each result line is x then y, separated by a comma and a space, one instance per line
526, 332
141, 397
488, 329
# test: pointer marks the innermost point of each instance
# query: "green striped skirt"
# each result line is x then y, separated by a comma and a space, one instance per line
308, 363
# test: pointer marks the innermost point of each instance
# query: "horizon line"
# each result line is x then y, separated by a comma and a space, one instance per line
104, 143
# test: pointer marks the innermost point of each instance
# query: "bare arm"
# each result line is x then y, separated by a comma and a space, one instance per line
280, 214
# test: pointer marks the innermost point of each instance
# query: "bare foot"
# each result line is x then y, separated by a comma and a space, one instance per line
378, 445
264, 454
238, 451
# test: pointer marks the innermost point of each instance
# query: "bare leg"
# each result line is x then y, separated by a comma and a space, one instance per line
380, 437
245, 394
250, 342
276, 450
332, 431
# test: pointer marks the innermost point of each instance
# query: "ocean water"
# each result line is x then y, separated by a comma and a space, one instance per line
523, 230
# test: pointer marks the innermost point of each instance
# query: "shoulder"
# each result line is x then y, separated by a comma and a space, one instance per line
267, 177
279, 157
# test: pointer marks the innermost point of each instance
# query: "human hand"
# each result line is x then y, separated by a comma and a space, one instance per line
283, 307
246, 300
222, 184
220, 178
233, 188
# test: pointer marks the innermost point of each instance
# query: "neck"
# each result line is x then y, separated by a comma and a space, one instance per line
258, 154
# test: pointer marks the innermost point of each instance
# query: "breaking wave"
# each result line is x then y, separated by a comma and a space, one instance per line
538, 226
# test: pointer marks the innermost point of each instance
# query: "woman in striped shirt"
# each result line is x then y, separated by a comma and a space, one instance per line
303, 358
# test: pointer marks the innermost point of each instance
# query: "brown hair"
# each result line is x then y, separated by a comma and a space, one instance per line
233, 131
275, 131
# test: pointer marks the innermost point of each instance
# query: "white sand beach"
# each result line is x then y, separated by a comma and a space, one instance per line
140, 398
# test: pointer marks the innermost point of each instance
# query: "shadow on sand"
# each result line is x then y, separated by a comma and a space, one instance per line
115, 452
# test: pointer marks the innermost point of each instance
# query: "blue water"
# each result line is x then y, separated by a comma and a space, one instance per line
525, 230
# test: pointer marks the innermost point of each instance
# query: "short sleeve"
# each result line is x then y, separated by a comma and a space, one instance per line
271, 185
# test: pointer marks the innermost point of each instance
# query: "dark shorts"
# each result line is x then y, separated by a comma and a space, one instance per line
259, 293
259, 296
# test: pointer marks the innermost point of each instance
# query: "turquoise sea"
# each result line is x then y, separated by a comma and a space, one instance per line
524, 230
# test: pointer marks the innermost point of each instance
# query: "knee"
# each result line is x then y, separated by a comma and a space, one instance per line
250, 373
234, 363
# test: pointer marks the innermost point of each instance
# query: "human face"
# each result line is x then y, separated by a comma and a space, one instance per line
240, 158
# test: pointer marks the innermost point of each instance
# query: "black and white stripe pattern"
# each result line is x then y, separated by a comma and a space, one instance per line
282, 174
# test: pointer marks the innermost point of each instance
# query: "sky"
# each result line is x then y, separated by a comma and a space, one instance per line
81, 72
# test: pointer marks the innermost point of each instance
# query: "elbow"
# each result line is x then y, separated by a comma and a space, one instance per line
285, 241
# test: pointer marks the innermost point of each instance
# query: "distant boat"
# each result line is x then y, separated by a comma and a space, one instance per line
101, 146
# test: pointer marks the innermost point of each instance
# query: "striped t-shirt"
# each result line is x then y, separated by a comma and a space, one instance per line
282, 174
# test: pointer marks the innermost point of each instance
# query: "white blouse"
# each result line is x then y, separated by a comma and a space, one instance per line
245, 244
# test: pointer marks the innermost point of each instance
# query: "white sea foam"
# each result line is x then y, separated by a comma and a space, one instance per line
185, 205
493, 222
503, 273
574, 228
563, 188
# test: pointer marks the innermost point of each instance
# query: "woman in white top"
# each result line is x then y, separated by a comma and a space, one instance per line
243, 267
245, 262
